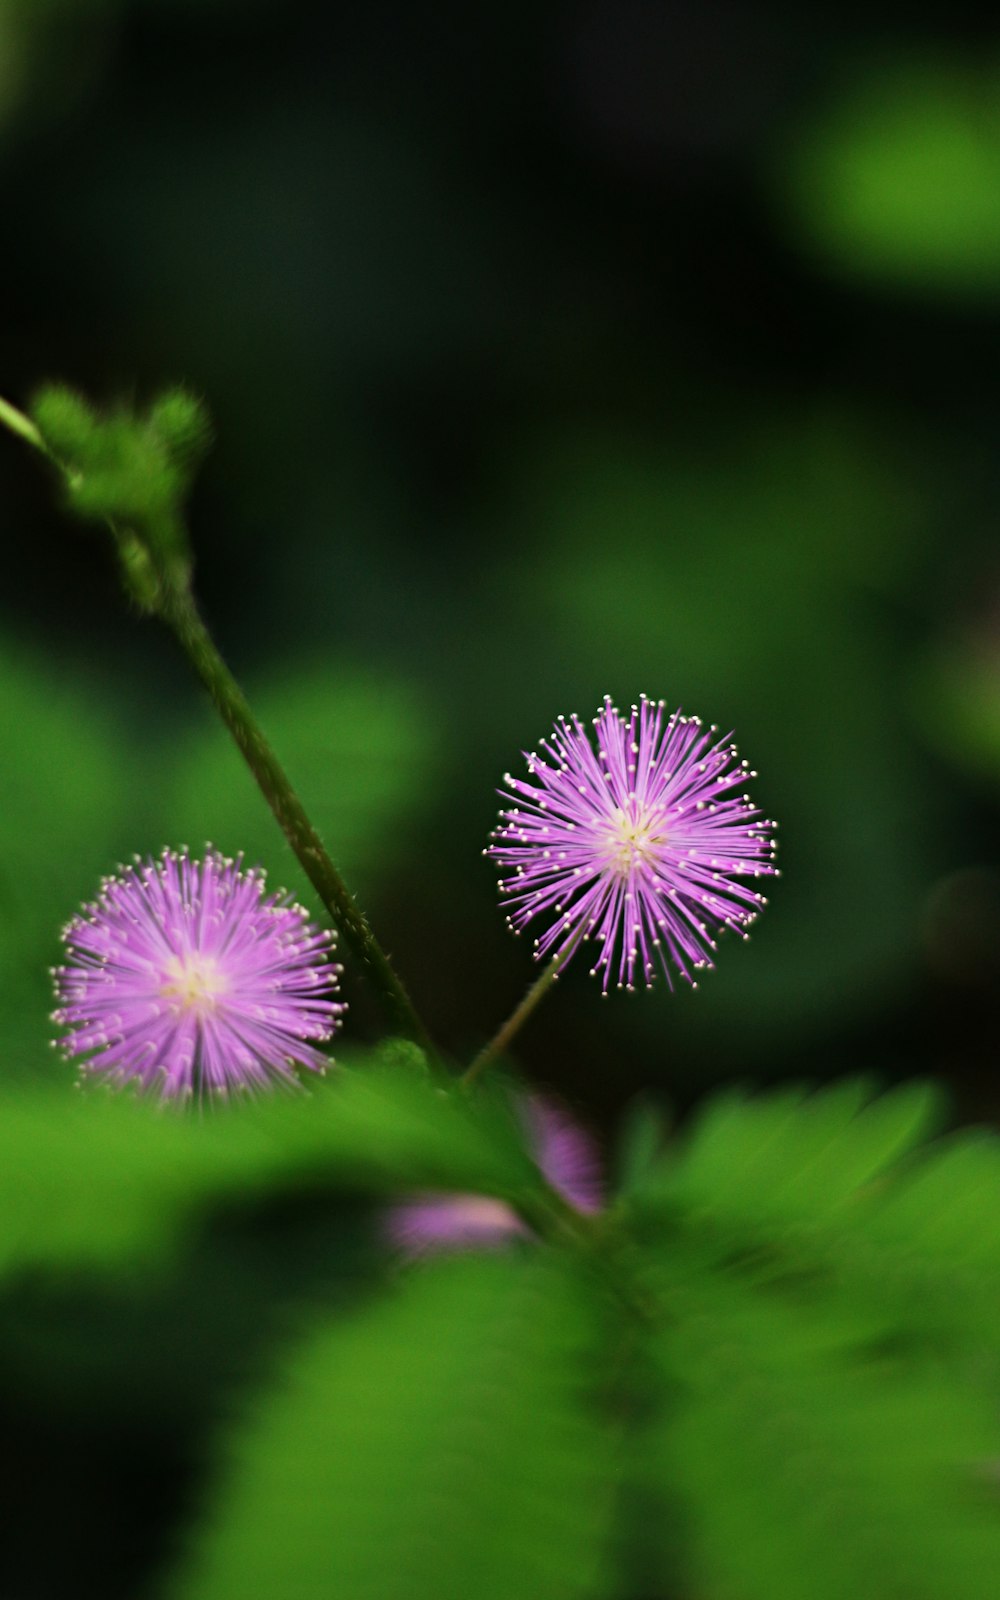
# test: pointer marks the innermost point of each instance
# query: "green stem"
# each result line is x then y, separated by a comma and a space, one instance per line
179, 611
519, 1016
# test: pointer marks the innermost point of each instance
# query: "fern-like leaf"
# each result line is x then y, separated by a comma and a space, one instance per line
438, 1446
791, 1157
804, 1457
825, 1349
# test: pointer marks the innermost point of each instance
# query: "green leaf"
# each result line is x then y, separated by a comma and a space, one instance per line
121, 464
437, 1446
68, 422
789, 1158
804, 1460
836, 1185
95, 1177
641, 1144
928, 1243
118, 467
181, 421
824, 1340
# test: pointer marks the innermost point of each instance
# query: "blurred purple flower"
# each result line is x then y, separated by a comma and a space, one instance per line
183, 978
565, 1154
641, 845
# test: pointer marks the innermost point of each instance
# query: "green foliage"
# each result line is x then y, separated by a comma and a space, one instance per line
182, 423
131, 471
66, 421
62, 782
804, 1457
900, 179
774, 1417
642, 1139
774, 1371
829, 1349
95, 1177
789, 1158
119, 466
838, 1185
438, 1445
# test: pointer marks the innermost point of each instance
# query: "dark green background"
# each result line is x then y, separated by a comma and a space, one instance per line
553, 350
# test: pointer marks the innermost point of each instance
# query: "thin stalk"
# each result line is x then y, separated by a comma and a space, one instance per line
180, 612
519, 1016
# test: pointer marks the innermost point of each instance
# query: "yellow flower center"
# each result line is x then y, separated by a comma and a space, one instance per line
632, 837
194, 983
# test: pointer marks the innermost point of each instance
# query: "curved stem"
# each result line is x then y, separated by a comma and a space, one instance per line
179, 611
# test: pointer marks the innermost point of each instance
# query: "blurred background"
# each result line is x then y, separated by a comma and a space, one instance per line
624, 346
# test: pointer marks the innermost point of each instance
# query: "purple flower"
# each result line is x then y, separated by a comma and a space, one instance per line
183, 977
565, 1154
642, 845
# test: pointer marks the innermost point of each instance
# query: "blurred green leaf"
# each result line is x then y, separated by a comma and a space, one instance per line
62, 783
66, 420
131, 470
805, 1458
95, 1177
899, 180
827, 1348
435, 1447
781, 1412
642, 1141
841, 1190
789, 1158
358, 748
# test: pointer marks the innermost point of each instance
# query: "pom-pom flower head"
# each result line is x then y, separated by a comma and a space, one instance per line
640, 844
184, 977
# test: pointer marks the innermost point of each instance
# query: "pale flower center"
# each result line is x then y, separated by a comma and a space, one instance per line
194, 983
479, 1211
632, 837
